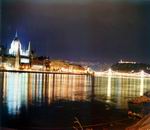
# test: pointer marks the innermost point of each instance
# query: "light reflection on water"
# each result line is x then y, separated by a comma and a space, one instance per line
120, 89
23, 89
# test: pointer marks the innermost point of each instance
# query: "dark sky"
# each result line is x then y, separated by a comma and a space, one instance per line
89, 30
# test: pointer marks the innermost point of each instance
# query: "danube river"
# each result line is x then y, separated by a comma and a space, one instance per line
48, 101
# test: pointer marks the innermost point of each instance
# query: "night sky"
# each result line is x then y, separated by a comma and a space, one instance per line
80, 30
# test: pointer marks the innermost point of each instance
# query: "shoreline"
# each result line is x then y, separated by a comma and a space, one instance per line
44, 72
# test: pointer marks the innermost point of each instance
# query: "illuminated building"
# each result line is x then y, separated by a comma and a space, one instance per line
16, 45
16, 56
20, 58
16, 50
126, 62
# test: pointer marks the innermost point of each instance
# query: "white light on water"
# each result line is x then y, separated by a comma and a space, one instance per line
109, 83
142, 83
13, 93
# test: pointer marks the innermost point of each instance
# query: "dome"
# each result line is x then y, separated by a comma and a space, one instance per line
15, 46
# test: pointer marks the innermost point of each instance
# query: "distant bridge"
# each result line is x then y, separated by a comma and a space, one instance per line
124, 74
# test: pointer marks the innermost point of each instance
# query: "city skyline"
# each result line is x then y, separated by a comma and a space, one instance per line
75, 64
87, 31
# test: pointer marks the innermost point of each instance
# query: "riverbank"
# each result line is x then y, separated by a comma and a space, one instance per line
44, 72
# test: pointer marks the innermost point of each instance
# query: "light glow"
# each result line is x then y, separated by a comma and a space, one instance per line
109, 83
15, 45
142, 83
24, 60
126, 62
124, 74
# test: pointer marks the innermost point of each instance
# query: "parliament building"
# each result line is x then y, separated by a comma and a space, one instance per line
17, 56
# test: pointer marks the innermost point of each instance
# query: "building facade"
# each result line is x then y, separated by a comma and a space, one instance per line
16, 56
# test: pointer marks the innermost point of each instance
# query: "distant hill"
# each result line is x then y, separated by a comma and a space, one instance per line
131, 67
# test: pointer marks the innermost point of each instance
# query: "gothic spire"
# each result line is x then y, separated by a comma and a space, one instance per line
16, 35
29, 48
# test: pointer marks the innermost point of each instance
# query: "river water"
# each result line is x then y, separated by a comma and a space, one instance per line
35, 100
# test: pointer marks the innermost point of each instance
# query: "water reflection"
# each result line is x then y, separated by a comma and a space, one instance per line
119, 89
109, 84
23, 89
15, 91
142, 84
